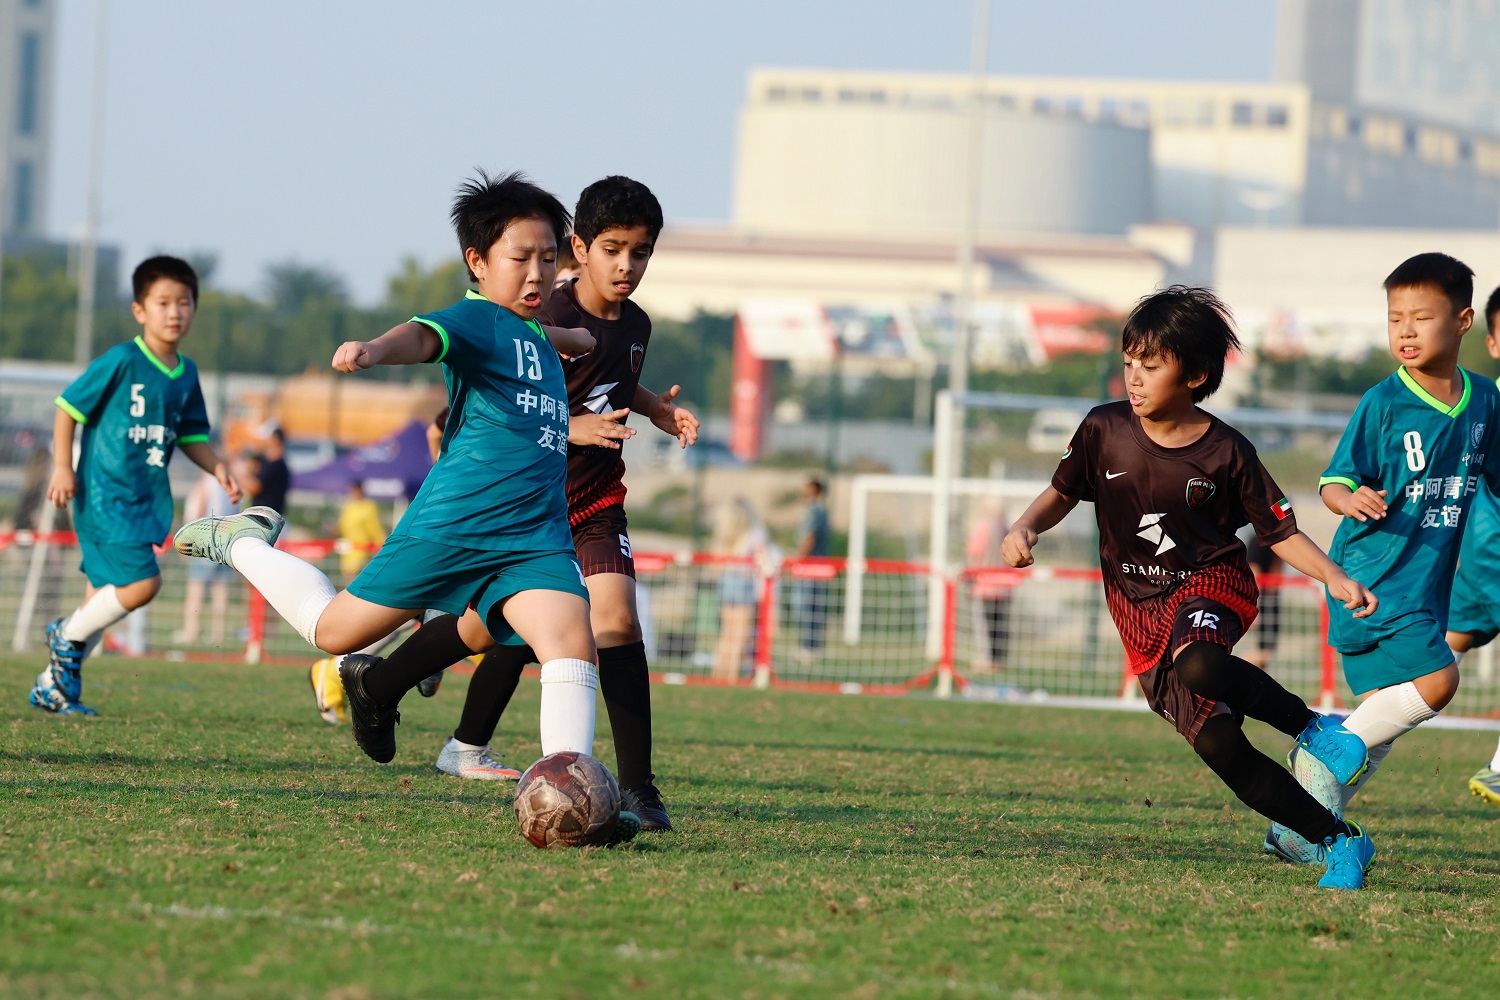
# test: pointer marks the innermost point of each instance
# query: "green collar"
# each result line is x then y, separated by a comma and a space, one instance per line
536, 327
181, 365
1433, 401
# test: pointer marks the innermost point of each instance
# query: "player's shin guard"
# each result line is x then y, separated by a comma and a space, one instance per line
1209, 671
568, 696
96, 614
490, 690
297, 590
431, 648
625, 681
1260, 782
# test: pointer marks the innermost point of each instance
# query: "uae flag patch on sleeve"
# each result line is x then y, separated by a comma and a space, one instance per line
1282, 509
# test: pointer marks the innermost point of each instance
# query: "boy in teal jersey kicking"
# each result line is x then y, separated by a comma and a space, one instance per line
486, 538
1405, 475
1473, 617
137, 403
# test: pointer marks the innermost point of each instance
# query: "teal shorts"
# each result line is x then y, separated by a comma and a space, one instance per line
416, 573
1480, 619
117, 563
1418, 649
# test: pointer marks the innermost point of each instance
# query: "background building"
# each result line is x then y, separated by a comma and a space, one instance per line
26, 47
1432, 61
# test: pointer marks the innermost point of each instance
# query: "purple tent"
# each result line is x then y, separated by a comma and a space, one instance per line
390, 468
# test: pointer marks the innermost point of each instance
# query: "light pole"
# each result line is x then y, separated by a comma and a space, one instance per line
88, 259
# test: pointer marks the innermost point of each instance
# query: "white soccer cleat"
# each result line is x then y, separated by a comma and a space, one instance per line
1320, 783
210, 537
477, 764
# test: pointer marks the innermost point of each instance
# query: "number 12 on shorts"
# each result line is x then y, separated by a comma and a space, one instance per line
1204, 619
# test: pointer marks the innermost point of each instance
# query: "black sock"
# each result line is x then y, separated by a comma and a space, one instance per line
490, 690
1260, 782
626, 686
431, 648
1207, 670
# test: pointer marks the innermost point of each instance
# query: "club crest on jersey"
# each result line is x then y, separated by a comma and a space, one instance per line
1200, 492
637, 353
1476, 433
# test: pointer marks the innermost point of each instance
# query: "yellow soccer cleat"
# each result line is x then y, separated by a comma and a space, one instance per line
1486, 785
328, 691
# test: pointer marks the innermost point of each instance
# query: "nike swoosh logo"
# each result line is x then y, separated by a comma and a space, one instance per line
1114, 475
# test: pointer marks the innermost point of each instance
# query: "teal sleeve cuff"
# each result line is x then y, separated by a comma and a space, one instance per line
438, 329
70, 410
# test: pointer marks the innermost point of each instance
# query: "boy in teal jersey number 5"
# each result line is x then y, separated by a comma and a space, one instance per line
1405, 475
486, 539
137, 403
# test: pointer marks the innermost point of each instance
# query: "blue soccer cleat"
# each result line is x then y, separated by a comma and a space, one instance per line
46, 696
65, 661
1349, 857
1289, 845
1339, 750
1486, 785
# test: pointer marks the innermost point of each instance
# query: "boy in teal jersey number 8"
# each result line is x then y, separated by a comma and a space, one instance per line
486, 539
1405, 474
137, 403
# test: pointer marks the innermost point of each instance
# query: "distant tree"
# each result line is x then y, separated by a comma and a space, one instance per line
415, 289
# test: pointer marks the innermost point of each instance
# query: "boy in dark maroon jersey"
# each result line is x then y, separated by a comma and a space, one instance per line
1171, 484
615, 230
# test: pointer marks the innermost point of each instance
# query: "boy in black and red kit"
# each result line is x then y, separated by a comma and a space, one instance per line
615, 230
1171, 484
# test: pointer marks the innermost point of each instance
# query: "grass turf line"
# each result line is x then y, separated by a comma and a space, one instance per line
208, 835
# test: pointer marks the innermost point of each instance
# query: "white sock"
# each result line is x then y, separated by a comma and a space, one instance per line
1377, 757
1389, 713
96, 614
458, 744
297, 590
568, 708
1495, 760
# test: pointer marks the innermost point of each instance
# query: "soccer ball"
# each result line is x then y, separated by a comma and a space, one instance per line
567, 799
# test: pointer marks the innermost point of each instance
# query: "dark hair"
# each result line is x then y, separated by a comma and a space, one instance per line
816, 484
441, 420
565, 256
278, 434
153, 269
616, 203
1490, 309
1452, 277
485, 206
1192, 325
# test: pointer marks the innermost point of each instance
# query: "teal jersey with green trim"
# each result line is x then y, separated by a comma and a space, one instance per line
500, 481
1431, 460
1479, 556
135, 411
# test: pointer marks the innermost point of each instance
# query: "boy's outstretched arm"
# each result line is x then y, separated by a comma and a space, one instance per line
406, 344
570, 341
675, 420
1363, 504
64, 482
202, 454
1302, 554
1044, 513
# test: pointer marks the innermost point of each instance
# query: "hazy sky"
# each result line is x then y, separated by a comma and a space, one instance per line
333, 133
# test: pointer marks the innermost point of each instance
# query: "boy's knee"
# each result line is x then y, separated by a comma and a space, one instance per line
614, 627
1438, 688
1199, 665
138, 594
1221, 743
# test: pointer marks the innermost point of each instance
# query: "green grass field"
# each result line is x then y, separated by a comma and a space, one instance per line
208, 836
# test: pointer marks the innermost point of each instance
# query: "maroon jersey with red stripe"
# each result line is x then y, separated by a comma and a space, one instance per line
603, 380
1167, 520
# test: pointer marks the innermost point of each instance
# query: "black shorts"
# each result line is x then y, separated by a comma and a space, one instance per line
1198, 619
602, 541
